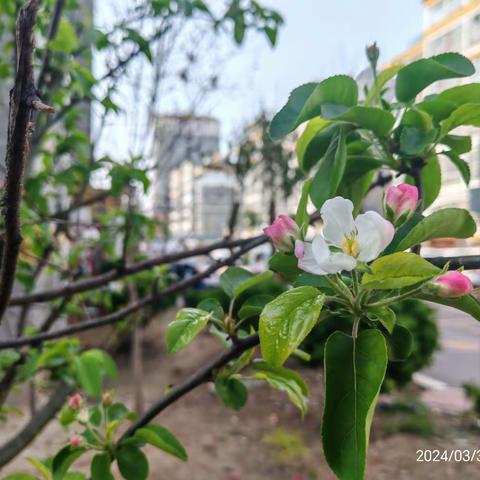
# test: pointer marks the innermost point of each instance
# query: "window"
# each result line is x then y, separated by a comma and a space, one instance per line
474, 30
440, 10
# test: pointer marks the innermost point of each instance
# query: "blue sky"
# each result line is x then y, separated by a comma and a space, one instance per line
320, 38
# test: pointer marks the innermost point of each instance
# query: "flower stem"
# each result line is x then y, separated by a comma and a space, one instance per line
388, 301
356, 324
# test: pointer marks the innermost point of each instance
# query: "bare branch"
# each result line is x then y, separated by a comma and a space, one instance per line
202, 375
91, 283
468, 262
125, 312
13, 446
52, 32
23, 101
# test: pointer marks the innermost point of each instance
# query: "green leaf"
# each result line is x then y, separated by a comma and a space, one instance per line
416, 76
354, 372
330, 172
235, 280
212, 306
286, 321
286, 264
163, 439
356, 188
400, 344
385, 315
188, 323
239, 28
403, 231
468, 304
461, 165
41, 467
89, 374
132, 462
116, 411
460, 94
302, 219
106, 363
383, 77
329, 98
459, 143
467, 114
377, 120
431, 178
90, 367
74, 476
142, 43
312, 280
66, 40
232, 391
313, 128
100, 469
20, 476
253, 306
417, 131
285, 380
291, 115
64, 459
448, 222
398, 270
67, 416
271, 34
437, 109
317, 148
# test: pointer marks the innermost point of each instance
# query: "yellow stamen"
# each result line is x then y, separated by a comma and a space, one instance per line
350, 247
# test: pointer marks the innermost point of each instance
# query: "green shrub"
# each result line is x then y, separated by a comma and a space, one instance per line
473, 392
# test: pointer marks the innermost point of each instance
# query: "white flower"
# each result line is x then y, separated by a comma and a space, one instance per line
345, 240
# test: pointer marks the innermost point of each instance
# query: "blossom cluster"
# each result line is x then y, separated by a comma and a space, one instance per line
347, 241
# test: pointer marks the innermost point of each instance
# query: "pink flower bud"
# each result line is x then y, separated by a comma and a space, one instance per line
75, 401
107, 399
283, 232
400, 202
452, 284
75, 441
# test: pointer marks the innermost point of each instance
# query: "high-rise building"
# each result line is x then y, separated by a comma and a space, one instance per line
452, 26
201, 199
179, 139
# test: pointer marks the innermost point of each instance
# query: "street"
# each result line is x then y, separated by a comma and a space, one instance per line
458, 360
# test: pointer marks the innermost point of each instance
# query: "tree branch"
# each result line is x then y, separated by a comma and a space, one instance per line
12, 447
202, 375
91, 283
23, 100
468, 262
125, 312
52, 32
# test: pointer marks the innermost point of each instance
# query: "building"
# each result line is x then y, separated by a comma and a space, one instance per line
201, 199
179, 139
452, 25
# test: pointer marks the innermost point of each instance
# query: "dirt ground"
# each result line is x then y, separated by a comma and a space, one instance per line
267, 439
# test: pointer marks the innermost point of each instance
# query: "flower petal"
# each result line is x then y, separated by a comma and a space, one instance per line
337, 216
306, 259
338, 262
331, 262
374, 234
